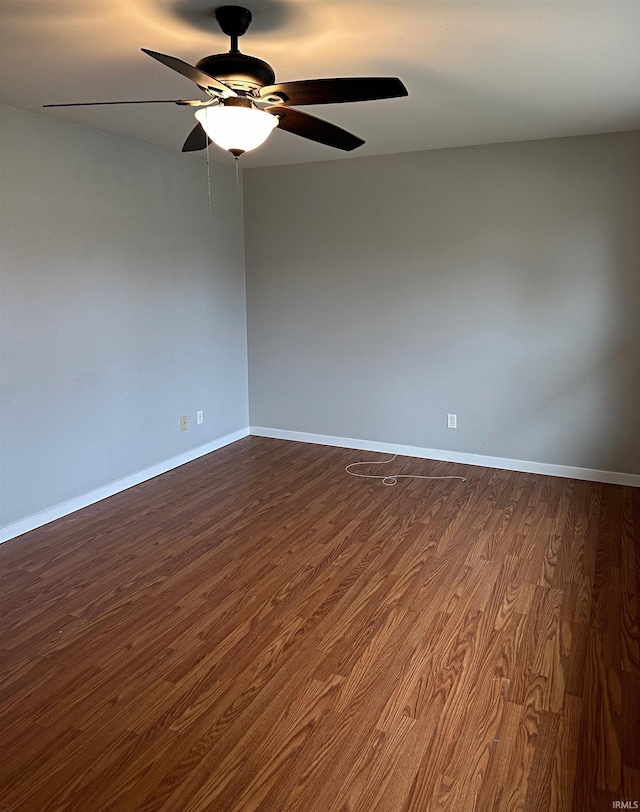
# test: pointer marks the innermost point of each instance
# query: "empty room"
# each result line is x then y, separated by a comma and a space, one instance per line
319, 406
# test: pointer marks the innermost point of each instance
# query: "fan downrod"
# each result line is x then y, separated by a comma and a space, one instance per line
234, 22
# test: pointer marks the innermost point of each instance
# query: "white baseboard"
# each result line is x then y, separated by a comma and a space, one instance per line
70, 506
568, 471
64, 508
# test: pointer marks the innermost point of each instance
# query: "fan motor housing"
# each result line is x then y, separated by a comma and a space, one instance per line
238, 71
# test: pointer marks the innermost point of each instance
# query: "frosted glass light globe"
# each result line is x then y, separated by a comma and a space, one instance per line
236, 128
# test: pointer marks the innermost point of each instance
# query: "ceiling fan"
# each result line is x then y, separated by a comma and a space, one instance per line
244, 103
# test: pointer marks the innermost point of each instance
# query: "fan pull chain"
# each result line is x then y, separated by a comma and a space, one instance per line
208, 179
237, 180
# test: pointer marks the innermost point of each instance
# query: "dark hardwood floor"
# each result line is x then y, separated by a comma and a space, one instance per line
259, 631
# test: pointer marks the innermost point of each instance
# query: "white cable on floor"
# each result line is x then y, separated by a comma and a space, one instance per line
393, 480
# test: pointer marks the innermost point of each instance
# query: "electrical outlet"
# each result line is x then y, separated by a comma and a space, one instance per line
200, 417
183, 423
452, 421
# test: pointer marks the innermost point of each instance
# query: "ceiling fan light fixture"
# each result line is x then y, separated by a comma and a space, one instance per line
236, 127
244, 104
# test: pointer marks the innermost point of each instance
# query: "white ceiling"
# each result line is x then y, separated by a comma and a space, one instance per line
477, 72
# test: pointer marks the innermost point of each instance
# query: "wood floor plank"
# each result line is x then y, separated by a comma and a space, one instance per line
257, 631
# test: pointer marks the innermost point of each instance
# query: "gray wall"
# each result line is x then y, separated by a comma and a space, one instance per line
500, 282
123, 307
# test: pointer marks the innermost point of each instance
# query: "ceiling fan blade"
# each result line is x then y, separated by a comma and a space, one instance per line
331, 91
201, 78
193, 102
197, 139
315, 129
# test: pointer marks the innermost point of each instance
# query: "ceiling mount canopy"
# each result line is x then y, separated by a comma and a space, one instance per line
234, 22
244, 104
